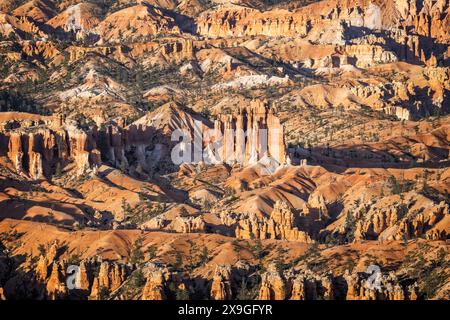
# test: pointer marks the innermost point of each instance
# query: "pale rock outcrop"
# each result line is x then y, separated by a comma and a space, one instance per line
369, 55
154, 288
397, 223
46, 149
103, 275
136, 23
76, 18
309, 286
273, 285
227, 217
95, 290
52, 252
317, 201
82, 279
280, 225
35, 165
117, 276
249, 136
221, 284
110, 277
157, 223
55, 288
383, 287
42, 268
188, 224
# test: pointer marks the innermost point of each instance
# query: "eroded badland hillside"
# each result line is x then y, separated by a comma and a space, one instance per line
317, 147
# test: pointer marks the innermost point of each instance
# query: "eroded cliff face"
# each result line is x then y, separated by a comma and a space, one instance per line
238, 21
273, 285
393, 225
147, 21
152, 271
303, 161
38, 151
250, 136
307, 285
188, 224
323, 39
335, 21
221, 283
280, 225
155, 286
394, 222
384, 287
291, 284
55, 288
55, 280
21, 23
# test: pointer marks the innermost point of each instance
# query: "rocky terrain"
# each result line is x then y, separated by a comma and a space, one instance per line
316, 163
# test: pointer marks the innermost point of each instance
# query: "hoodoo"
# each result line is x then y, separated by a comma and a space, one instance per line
216, 149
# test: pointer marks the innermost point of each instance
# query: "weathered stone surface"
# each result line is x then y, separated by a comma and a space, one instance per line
154, 288
188, 224
273, 286
82, 279
221, 284
280, 225
396, 223
383, 287
45, 149
42, 268
56, 287
249, 136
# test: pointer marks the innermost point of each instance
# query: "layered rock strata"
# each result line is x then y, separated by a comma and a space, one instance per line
280, 225
249, 136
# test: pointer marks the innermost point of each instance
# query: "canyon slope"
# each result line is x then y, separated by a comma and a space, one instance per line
317, 149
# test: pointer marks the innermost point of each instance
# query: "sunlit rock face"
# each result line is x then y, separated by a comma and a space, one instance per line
221, 284
280, 225
253, 133
177, 150
37, 152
